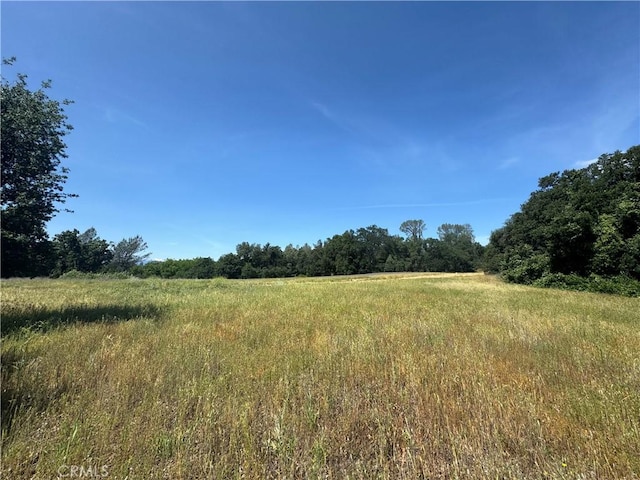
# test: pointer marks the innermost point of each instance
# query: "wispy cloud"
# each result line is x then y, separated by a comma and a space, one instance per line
508, 162
365, 128
323, 110
113, 115
339, 120
383, 145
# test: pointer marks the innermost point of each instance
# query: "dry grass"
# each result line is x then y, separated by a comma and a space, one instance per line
368, 377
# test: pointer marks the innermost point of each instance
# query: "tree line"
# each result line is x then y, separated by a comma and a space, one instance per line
365, 250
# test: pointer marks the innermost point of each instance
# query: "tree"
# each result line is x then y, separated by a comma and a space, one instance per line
342, 254
578, 222
32, 148
128, 253
84, 252
375, 247
455, 250
230, 266
203, 267
456, 234
413, 229
96, 252
68, 252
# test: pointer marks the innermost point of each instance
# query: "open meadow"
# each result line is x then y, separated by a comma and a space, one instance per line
400, 376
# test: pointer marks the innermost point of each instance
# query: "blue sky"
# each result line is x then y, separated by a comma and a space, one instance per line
202, 125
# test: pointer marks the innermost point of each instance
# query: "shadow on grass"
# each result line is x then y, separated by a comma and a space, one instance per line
16, 395
44, 319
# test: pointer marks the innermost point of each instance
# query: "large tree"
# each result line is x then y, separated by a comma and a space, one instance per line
455, 250
127, 253
413, 229
32, 148
581, 222
85, 252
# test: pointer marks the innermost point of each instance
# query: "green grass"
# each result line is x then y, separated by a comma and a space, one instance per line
416, 376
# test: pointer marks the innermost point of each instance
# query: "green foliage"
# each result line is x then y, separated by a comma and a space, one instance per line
580, 223
77, 275
84, 252
229, 266
127, 253
457, 250
394, 264
523, 265
608, 247
618, 285
195, 268
366, 250
454, 234
413, 229
32, 130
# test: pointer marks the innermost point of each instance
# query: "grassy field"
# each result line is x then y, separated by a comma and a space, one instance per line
428, 376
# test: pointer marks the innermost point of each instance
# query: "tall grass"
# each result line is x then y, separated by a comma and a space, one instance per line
372, 377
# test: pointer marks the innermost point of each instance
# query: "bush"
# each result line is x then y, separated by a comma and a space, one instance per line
618, 285
76, 275
525, 266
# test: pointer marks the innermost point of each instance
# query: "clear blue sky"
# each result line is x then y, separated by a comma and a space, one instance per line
202, 125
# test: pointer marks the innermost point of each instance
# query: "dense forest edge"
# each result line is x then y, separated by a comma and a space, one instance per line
579, 230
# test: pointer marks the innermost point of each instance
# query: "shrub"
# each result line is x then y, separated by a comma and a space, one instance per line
618, 285
525, 266
76, 275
